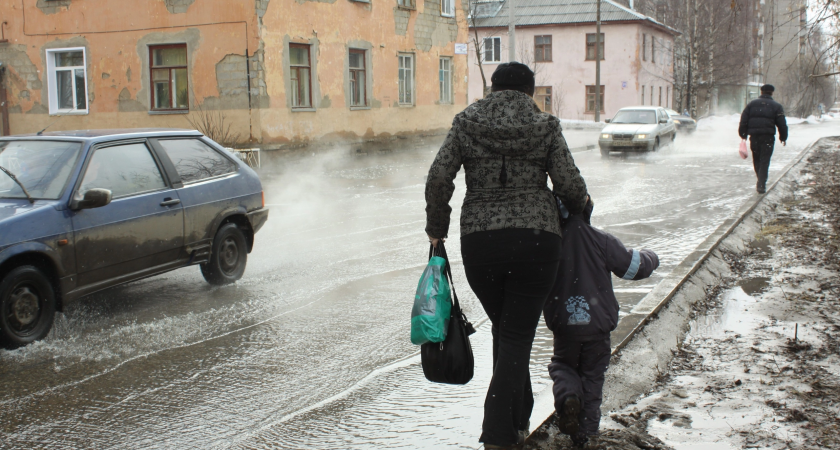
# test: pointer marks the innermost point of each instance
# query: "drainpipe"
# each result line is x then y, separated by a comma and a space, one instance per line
4, 105
511, 32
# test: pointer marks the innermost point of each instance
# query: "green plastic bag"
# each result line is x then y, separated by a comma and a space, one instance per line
432, 304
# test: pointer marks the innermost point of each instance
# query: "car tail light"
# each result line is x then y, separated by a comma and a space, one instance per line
262, 194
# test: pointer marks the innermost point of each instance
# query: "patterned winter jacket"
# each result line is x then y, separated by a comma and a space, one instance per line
507, 146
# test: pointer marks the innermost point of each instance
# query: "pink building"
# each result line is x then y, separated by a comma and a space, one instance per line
557, 39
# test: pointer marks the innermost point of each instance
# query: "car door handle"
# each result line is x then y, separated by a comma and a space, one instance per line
170, 201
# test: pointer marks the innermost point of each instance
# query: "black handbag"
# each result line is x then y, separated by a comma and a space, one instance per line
450, 361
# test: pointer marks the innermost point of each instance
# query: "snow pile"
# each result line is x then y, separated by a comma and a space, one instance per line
713, 123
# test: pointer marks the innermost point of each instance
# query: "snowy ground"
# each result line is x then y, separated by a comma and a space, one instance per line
760, 365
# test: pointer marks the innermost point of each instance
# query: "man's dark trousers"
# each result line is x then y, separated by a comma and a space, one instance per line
578, 368
762, 150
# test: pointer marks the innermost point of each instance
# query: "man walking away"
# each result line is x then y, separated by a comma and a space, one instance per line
759, 120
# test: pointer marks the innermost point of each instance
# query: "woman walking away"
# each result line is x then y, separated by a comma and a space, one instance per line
510, 228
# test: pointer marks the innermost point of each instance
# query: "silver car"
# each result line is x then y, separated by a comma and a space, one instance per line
637, 129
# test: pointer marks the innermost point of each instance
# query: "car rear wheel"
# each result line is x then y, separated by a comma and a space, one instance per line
228, 256
27, 307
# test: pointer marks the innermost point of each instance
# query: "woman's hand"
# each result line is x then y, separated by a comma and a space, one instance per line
434, 241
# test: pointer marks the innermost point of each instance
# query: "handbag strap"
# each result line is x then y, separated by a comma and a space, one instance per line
441, 251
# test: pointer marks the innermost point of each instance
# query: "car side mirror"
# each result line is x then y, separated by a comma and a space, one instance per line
606, 120
663, 120
93, 198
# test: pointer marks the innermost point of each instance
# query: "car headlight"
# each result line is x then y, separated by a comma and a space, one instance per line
605, 136
676, 121
641, 136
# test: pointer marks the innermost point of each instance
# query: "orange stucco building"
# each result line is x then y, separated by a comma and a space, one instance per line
282, 72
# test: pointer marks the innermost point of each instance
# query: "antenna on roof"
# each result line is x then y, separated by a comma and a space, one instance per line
51, 124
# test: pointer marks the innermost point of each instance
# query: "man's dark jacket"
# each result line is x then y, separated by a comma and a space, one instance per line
761, 117
582, 305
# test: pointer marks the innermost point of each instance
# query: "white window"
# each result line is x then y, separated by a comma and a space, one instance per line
67, 81
406, 79
447, 8
445, 77
407, 4
492, 49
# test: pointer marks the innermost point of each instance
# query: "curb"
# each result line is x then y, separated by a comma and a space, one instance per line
649, 308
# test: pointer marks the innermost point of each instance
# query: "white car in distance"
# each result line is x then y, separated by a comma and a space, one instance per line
637, 129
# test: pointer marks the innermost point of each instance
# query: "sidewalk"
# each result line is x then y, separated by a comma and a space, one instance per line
760, 365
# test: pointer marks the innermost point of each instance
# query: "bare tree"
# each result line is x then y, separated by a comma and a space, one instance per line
558, 99
214, 124
478, 42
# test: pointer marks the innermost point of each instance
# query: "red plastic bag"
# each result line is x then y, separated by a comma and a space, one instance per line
742, 149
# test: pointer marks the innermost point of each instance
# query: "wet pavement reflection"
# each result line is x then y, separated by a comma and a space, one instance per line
310, 349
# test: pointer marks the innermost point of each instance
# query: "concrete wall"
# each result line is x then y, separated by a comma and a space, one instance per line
622, 71
233, 46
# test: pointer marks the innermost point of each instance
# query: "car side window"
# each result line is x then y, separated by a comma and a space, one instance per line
122, 169
195, 161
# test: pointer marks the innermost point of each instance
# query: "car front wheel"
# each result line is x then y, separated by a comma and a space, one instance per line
228, 258
656, 145
27, 307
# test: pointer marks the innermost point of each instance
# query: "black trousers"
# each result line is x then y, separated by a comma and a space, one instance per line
762, 150
511, 272
578, 368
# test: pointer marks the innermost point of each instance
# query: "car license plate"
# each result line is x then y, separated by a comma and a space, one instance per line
622, 143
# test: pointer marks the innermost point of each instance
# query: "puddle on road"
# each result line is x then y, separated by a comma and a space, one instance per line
752, 286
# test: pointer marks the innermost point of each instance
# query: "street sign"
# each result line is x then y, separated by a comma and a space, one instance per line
460, 49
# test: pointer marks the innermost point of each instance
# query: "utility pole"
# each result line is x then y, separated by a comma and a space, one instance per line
598, 62
511, 32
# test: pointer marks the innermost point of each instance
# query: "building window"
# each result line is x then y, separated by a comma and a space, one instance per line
358, 80
542, 48
652, 49
492, 49
170, 82
67, 80
406, 79
644, 47
406, 4
651, 96
300, 68
590, 99
445, 78
447, 8
668, 97
542, 95
590, 46
643, 95
660, 95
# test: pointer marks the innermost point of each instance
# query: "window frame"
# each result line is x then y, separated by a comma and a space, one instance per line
355, 72
643, 95
543, 47
444, 78
660, 96
586, 106
52, 81
401, 85
652, 49
444, 13
544, 96
603, 47
496, 49
407, 4
296, 67
644, 47
152, 68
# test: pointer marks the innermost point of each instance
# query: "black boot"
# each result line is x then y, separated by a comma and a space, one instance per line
568, 417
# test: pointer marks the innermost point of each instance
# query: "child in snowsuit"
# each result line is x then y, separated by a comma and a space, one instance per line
581, 311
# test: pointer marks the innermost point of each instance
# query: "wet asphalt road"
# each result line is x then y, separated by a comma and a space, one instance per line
310, 349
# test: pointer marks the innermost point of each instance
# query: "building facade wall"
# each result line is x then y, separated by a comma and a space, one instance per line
238, 63
623, 72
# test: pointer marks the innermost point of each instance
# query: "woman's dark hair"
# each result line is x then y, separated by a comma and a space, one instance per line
513, 76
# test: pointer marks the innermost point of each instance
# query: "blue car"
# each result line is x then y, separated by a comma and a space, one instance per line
86, 210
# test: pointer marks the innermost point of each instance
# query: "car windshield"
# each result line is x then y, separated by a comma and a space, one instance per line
41, 166
635, 116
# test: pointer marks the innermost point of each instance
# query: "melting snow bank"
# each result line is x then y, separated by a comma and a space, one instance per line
712, 123
743, 351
